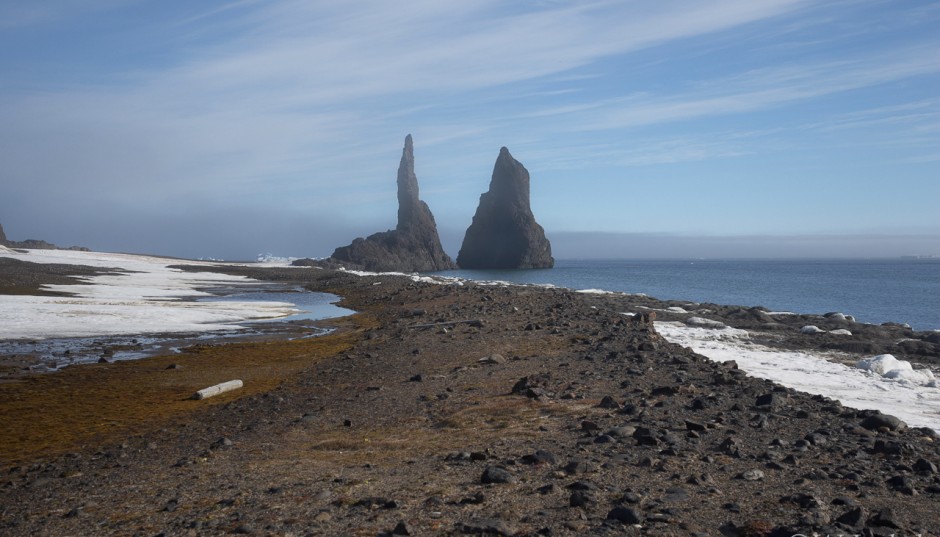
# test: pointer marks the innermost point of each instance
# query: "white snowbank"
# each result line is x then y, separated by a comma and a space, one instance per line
702, 322
883, 363
917, 403
595, 292
415, 277
890, 367
144, 298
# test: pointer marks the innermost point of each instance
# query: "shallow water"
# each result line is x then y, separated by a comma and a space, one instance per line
313, 306
55, 353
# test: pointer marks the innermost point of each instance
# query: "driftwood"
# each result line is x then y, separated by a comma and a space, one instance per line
212, 391
472, 322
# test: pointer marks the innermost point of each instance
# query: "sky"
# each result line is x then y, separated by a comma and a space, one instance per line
719, 128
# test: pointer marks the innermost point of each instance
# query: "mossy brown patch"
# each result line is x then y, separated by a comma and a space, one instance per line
47, 414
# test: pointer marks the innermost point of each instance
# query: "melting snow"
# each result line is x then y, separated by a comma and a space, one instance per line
881, 384
146, 299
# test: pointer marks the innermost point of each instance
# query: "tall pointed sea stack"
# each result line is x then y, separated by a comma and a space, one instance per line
504, 233
414, 245
3, 236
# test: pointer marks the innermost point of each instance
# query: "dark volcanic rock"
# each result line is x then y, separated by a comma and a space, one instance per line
34, 244
504, 233
413, 245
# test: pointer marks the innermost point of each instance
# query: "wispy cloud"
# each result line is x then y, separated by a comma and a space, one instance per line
300, 105
301, 83
756, 90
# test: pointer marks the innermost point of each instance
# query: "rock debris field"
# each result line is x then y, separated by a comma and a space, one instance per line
464, 410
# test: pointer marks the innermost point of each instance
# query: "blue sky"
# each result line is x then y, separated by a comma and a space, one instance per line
650, 129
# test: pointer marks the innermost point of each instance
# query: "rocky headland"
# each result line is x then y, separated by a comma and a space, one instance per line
34, 244
465, 410
414, 244
504, 233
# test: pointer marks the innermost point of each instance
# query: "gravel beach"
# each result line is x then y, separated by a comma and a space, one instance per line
465, 410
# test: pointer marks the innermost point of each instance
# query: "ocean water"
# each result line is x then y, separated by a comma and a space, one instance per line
874, 291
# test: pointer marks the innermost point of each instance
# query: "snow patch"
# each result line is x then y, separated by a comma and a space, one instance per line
883, 363
702, 322
146, 297
916, 403
595, 292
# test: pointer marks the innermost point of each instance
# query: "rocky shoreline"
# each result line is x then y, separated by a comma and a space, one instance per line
468, 410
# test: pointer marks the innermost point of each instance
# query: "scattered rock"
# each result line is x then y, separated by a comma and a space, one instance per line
402, 528
493, 359
581, 498
876, 420
853, 517
488, 526
885, 518
752, 475
625, 515
540, 457
497, 475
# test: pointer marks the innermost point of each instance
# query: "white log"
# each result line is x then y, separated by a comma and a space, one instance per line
212, 391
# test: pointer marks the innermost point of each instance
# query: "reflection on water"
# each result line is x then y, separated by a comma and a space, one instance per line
312, 306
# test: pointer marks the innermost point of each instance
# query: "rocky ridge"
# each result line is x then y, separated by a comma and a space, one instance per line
504, 233
33, 244
480, 410
413, 246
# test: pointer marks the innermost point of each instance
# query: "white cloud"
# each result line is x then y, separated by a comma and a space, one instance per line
302, 87
757, 90
302, 105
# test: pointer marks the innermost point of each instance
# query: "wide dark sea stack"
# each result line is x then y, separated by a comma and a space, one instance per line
504, 233
414, 245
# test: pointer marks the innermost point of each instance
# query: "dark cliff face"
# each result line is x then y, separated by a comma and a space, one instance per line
504, 233
414, 245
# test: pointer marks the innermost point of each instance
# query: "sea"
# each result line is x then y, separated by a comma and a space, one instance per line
872, 290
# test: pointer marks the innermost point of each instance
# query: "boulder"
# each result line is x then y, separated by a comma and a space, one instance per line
702, 322
413, 246
504, 233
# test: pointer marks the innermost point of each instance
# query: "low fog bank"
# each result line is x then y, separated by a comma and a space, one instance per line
591, 245
243, 235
